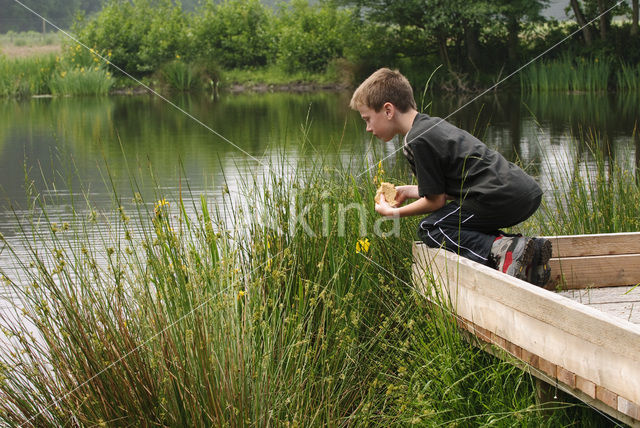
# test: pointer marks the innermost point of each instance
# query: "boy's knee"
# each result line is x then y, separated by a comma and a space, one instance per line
430, 235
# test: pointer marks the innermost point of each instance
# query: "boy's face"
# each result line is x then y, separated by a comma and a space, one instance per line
379, 123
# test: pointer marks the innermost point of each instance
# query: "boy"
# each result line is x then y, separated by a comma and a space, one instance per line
486, 191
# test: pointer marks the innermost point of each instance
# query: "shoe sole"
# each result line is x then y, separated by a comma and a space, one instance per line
518, 266
543, 270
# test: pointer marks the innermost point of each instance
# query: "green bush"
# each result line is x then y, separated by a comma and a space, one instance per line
139, 35
311, 36
238, 33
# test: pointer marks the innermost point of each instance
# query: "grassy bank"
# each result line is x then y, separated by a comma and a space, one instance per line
300, 313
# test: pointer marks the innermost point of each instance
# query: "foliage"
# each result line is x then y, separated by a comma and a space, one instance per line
628, 77
139, 35
14, 17
568, 74
238, 33
186, 76
81, 81
312, 35
26, 76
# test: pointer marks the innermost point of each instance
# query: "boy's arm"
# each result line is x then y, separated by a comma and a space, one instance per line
423, 205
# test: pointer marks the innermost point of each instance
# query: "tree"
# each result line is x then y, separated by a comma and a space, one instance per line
515, 12
14, 17
601, 11
634, 18
237, 33
582, 22
431, 24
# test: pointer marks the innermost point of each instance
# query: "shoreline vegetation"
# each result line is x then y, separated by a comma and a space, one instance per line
38, 72
241, 45
163, 313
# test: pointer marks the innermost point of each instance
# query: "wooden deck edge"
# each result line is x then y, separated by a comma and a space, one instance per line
556, 376
529, 321
596, 244
578, 272
543, 304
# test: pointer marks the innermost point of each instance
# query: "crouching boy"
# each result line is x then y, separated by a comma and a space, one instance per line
470, 190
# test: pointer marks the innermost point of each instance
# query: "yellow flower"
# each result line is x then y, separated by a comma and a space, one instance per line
362, 246
377, 179
64, 73
240, 294
162, 203
177, 56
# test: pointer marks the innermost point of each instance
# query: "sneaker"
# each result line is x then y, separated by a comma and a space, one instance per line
540, 270
513, 255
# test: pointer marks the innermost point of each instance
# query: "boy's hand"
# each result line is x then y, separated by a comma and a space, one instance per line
383, 207
406, 192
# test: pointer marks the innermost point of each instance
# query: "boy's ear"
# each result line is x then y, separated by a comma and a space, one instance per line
389, 110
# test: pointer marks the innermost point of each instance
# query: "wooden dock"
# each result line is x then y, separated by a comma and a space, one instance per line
581, 334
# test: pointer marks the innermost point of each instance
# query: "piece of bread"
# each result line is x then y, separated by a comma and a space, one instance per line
389, 192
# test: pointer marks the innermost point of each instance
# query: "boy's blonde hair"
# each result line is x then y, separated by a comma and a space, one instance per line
384, 85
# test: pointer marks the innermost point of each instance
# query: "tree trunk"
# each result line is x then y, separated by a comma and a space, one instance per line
471, 36
444, 55
586, 31
513, 28
604, 19
634, 18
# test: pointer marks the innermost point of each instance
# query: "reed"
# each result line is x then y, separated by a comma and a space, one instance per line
567, 74
294, 314
180, 76
595, 191
628, 77
81, 81
26, 76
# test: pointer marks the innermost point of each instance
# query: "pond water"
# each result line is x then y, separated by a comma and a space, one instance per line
70, 148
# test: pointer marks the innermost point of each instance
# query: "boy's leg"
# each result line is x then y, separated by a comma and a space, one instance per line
476, 236
460, 231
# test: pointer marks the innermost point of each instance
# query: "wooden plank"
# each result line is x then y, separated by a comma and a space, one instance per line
595, 245
623, 294
622, 302
599, 348
586, 386
625, 311
565, 381
595, 271
566, 377
628, 408
607, 397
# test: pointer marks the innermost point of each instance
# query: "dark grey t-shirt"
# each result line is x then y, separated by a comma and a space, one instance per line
447, 159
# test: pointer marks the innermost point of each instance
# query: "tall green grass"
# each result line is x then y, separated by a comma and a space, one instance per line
163, 313
26, 76
81, 81
596, 192
567, 74
628, 77
49, 75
